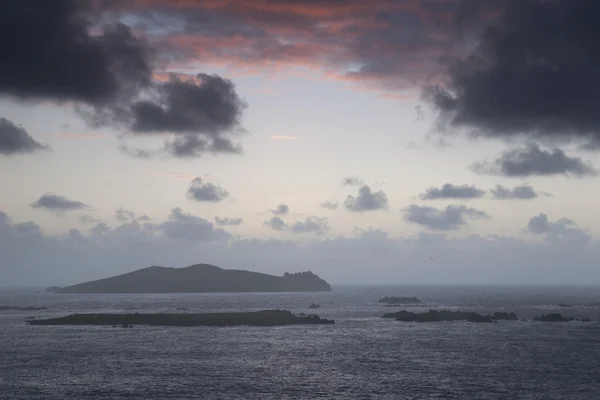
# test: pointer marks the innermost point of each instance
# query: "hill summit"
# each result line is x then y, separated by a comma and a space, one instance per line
200, 278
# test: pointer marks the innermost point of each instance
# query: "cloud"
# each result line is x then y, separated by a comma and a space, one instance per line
88, 219
450, 191
352, 181
204, 191
124, 215
58, 204
541, 87
189, 227
330, 205
32, 258
521, 192
282, 209
111, 80
562, 230
386, 45
135, 152
366, 200
315, 225
99, 229
276, 223
55, 37
228, 221
16, 140
189, 146
451, 218
532, 160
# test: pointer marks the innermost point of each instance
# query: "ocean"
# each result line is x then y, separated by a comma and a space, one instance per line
362, 356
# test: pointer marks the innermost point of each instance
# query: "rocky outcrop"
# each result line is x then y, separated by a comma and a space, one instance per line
395, 300
201, 278
17, 308
254, 318
446, 315
557, 317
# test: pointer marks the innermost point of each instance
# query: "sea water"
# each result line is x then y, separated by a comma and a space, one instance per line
362, 356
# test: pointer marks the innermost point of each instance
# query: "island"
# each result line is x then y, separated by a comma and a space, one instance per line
395, 300
17, 308
200, 278
251, 318
446, 315
557, 317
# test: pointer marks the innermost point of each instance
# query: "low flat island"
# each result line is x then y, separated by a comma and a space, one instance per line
251, 318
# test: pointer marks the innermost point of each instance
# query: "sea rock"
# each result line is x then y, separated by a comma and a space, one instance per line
553, 317
392, 300
497, 316
446, 315
254, 318
17, 308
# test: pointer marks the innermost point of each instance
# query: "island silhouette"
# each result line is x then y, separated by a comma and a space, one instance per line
200, 278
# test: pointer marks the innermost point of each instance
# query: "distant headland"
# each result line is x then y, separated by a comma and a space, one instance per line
199, 278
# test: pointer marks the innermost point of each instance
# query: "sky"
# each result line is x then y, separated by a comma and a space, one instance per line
371, 142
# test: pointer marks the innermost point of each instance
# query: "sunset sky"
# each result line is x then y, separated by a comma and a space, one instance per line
353, 138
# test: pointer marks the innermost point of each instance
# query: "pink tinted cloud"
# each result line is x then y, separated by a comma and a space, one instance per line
375, 44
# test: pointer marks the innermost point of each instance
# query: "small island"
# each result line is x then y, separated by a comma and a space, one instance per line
199, 278
252, 318
446, 315
557, 317
395, 300
17, 308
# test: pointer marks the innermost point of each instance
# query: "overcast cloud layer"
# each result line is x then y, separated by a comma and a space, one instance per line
183, 239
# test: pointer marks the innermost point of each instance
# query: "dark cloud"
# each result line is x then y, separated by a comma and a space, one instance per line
204, 191
57, 58
16, 140
522, 192
353, 181
189, 227
330, 205
228, 221
315, 225
282, 209
58, 204
366, 200
203, 113
532, 74
450, 191
208, 105
532, 160
111, 75
451, 218
190, 146
562, 230
276, 223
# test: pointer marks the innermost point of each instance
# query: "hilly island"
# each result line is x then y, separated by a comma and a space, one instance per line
199, 278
